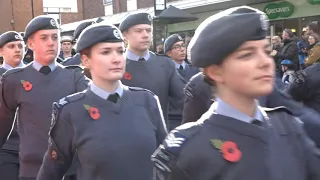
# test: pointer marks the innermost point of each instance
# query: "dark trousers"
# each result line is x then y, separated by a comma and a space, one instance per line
9, 165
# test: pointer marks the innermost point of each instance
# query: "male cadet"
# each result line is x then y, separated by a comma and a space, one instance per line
33, 89
12, 49
146, 69
175, 48
76, 59
66, 47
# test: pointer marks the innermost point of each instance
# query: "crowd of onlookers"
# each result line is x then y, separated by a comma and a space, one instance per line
291, 54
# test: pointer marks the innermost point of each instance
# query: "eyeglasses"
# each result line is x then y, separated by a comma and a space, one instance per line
178, 47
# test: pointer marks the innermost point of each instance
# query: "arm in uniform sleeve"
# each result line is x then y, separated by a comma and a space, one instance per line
165, 158
81, 80
8, 106
176, 84
308, 116
198, 98
312, 154
160, 122
61, 150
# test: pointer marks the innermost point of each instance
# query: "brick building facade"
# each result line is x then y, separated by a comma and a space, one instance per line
15, 14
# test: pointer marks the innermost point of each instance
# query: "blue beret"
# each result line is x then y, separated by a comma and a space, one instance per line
42, 22
170, 41
135, 19
10, 36
80, 28
221, 34
98, 33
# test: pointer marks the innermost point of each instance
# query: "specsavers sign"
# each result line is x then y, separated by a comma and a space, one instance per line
275, 10
314, 1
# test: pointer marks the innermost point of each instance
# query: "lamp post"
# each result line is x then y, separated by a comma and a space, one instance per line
159, 6
32, 10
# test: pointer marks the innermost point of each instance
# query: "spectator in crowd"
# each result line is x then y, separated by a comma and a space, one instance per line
66, 47
314, 52
313, 28
303, 46
287, 68
160, 49
289, 50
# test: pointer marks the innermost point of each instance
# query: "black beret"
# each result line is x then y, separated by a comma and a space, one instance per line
80, 28
170, 41
135, 19
223, 33
10, 36
98, 33
42, 22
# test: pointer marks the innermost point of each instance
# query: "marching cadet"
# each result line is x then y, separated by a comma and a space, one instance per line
146, 69
175, 48
115, 129
32, 89
236, 139
76, 59
66, 47
12, 49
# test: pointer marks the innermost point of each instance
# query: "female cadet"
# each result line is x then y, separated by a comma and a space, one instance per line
113, 128
236, 139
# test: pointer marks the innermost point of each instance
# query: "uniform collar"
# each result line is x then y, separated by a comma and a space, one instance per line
36, 65
8, 67
178, 65
223, 108
131, 56
104, 94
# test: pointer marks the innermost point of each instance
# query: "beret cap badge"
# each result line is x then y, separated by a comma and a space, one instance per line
17, 37
149, 17
53, 22
116, 34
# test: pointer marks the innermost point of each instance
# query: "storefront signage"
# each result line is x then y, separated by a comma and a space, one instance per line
314, 1
275, 10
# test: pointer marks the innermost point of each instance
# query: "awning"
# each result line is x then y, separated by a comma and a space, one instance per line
173, 15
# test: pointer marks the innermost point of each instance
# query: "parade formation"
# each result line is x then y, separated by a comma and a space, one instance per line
228, 105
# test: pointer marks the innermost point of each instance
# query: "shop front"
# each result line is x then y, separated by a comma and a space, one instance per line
291, 14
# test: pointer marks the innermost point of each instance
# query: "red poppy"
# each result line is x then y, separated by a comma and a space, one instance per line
230, 151
127, 76
27, 86
94, 113
54, 154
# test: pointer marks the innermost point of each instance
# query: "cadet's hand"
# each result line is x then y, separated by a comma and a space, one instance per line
299, 77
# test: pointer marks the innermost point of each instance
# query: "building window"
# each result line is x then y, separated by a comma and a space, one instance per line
131, 5
107, 2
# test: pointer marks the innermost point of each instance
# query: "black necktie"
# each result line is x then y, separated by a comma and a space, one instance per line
142, 59
113, 97
45, 70
181, 67
257, 122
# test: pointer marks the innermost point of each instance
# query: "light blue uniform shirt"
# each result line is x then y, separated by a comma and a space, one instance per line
131, 56
178, 65
225, 109
8, 67
104, 94
37, 66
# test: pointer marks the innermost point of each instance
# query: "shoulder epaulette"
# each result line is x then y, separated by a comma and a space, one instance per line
140, 89
177, 138
74, 67
69, 99
162, 55
275, 109
12, 71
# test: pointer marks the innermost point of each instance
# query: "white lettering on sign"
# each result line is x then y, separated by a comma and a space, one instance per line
277, 10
